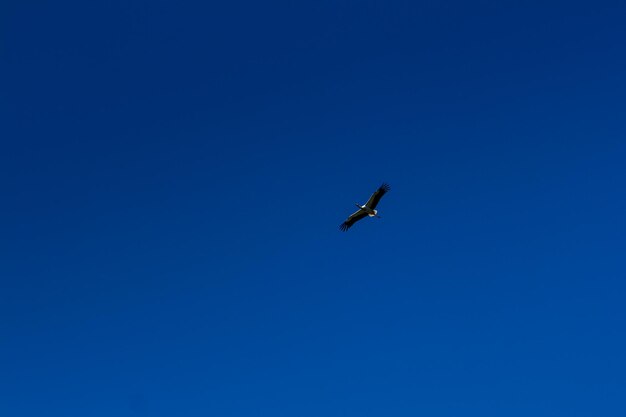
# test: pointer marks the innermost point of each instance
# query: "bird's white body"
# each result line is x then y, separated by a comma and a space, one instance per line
370, 212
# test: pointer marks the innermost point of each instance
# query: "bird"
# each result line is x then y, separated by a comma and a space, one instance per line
368, 209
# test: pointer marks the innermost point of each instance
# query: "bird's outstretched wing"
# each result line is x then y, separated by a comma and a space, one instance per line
354, 217
375, 198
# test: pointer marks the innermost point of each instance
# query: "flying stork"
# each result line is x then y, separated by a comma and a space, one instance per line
369, 209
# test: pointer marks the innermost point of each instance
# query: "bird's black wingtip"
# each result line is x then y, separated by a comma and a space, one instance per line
344, 227
385, 187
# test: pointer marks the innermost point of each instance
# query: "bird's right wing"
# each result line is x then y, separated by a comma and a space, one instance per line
354, 217
378, 194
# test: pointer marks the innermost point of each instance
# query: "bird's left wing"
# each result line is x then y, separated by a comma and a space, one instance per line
354, 217
378, 194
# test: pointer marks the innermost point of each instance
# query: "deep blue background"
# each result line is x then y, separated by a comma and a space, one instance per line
173, 176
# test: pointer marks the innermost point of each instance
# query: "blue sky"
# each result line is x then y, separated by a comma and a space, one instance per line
174, 175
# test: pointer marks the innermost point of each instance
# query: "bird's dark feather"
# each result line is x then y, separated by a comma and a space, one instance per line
378, 194
352, 219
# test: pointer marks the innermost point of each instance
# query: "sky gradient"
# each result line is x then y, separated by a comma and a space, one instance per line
173, 177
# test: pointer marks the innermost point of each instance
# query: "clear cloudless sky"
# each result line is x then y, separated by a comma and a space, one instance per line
173, 175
